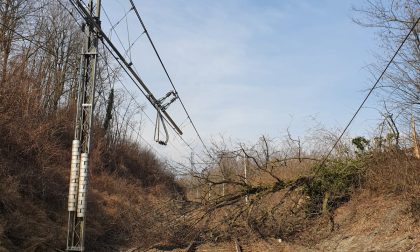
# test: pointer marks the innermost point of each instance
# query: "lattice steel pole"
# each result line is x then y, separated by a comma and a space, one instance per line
79, 172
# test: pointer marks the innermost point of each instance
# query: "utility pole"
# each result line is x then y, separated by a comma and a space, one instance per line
416, 151
222, 170
79, 171
223, 187
246, 181
196, 187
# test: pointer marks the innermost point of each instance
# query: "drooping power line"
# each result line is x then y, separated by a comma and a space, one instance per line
168, 76
370, 92
118, 79
126, 71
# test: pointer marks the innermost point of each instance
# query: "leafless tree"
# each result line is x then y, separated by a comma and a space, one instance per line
392, 20
257, 203
13, 15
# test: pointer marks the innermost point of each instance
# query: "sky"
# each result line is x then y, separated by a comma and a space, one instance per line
245, 68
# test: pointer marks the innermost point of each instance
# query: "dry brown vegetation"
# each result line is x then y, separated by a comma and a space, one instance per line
134, 200
303, 206
130, 194
131, 190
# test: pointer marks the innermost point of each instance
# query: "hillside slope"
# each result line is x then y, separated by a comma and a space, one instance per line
368, 222
130, 189
374, 223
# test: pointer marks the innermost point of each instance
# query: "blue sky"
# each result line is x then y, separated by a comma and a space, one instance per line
245, 68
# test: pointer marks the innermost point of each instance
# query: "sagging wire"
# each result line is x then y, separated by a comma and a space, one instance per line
159, 119
169, 78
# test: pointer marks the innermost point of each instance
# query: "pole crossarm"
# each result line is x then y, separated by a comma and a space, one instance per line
90, 20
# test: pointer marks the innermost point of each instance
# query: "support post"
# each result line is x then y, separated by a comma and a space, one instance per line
245, 178
79, 173
416, 151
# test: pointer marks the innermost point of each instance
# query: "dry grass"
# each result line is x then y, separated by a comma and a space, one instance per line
392, 172
130, 190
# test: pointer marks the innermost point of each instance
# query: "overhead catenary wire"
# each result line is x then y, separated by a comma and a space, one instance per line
126, 65
120, 81
119, 21
133, 98
41, 46
132, 73
144, 112
149, 118
370, 91
347, 126
180, 136
168, 76
136, 131
113, 28
127, 51
157, 153
134, 81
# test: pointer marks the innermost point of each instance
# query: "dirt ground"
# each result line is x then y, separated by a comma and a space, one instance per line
369, 223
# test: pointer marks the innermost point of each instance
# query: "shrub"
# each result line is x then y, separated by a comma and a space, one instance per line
333, 184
